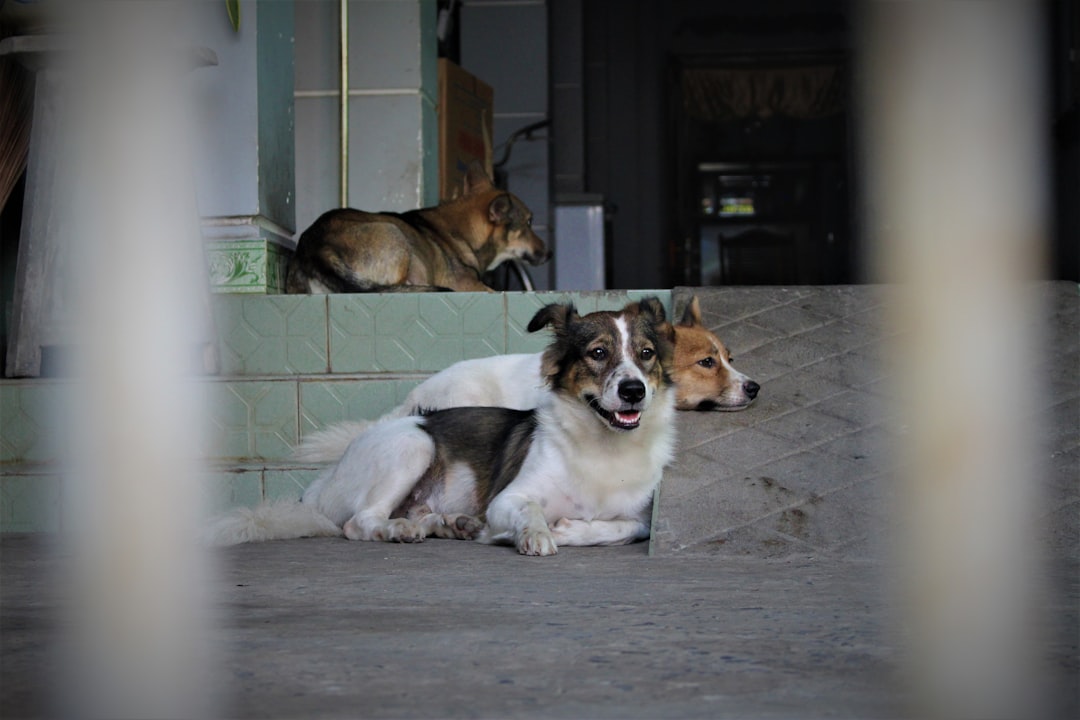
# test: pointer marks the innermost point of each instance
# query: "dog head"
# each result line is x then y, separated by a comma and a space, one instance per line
703, 374
614, 363
511, 235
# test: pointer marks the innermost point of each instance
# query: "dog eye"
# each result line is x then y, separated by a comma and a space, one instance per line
647, 353
707, 362
598, 353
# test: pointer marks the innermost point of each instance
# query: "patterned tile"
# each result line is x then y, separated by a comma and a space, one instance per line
224, 490
246, 266
520, 309
413, 332
255, 419
272, 334
31, 420
323, 403
29, 503
287, 484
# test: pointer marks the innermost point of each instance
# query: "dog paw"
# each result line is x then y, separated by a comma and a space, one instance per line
402, 530
536, 542
466, 527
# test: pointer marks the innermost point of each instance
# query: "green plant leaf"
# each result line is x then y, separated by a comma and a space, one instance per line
233, 8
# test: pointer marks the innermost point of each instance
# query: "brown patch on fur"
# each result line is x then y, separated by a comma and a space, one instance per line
703, 380
576, 337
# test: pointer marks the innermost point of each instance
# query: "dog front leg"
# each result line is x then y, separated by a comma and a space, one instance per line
519, 520
599, 532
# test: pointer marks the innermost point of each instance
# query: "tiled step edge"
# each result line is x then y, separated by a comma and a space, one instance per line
32, 496
385, 333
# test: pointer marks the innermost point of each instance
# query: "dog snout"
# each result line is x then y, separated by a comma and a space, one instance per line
751, 389
538, 256
632, 391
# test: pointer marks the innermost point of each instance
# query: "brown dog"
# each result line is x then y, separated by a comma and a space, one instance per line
447, 247
703, 374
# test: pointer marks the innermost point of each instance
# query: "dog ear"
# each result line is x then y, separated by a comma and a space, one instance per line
499, 210
476, 179
652, 308
692, 314
558, 316
555, 315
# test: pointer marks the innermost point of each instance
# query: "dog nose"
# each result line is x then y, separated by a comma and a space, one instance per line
751, 389
632, 391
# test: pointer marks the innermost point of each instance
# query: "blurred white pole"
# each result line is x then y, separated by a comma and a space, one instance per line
954, 138
139, 591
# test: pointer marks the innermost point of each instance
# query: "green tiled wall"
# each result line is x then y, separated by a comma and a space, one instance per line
325, 402
31, 420
385, 333
272, 334
254, 266
29, 502
254, 419
290, 365
413, 332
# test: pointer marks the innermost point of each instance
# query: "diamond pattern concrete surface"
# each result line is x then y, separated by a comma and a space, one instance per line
807, 469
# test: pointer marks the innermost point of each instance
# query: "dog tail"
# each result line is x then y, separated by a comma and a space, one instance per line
329, 445
279, 520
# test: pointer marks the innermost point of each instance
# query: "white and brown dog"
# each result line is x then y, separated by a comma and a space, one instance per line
580, 469
704, 377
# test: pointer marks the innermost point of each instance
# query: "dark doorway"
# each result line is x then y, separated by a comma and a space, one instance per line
762, 149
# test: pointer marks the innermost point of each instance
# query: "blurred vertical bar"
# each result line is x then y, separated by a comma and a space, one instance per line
954, 131
139, 590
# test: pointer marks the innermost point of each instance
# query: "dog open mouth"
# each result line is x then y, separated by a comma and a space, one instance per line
619, 419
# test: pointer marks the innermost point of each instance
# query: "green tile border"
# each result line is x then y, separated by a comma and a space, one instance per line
226, 488
253, 420
30, 502
324, 402
287, 484
413, 332
32, 416
254, 266
270, 335
404, 333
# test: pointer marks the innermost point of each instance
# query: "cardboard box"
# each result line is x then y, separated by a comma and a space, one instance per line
465, 125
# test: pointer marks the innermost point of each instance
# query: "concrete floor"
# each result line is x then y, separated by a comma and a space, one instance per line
326, 628
768, 593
